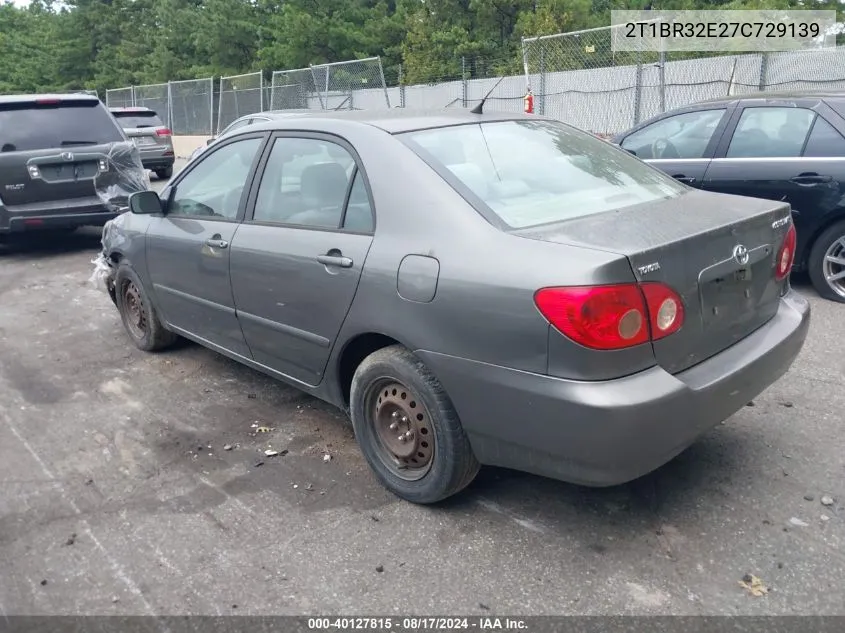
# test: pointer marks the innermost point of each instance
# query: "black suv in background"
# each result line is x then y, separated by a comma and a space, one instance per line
780, 146
52, 147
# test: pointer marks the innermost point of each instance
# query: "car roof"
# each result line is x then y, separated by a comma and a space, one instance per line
31, 98
400, 120
790, 94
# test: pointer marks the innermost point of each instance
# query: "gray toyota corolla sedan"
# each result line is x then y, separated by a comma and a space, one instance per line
472, 288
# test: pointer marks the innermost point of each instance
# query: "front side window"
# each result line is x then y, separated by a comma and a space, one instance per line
681, 136
537, 172
306, 182
213, 188
770, 132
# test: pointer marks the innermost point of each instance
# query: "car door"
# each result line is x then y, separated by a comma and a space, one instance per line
188, 246
298, 256
784, 152
680, 144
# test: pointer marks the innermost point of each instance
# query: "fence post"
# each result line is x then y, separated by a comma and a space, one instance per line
638, 89
463, 81
384, 84
132, 92
219, 104
169, 107
401, 88
764, 70
261, 91
541, 110
662, 70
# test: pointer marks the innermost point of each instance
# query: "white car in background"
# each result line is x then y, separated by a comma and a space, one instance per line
248, 119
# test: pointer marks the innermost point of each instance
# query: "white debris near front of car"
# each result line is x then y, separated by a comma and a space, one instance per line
102, 273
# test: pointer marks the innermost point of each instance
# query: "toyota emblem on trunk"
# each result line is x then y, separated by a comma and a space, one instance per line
67, 156
741, 254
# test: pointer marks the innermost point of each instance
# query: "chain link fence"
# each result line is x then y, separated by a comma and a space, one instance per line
120, 97
192, 107
574, 77
240, 95
156, 97
577, 77
352, 85
294, 90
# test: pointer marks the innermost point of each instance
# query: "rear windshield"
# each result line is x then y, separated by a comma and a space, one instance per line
538, 172
25, 127
138, 119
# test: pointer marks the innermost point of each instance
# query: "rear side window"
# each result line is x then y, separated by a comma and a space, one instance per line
26, 127
824, 141
537, 172
129, 120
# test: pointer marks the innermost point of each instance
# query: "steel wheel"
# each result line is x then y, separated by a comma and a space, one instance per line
402, 425
833, 266
136, 316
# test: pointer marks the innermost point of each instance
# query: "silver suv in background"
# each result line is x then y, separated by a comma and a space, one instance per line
152, 137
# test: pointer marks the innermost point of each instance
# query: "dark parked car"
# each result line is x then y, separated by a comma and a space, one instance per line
146, 129
473, 288
784, 146
56, 151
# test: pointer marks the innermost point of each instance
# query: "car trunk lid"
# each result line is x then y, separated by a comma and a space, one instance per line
716, 251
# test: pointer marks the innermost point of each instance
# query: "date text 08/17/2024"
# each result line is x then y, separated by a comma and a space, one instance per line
402, 624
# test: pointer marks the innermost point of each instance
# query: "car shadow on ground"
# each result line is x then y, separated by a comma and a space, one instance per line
52, 243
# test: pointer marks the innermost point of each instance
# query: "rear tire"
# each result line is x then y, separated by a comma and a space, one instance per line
394, 395
164, 174
827, 251
138, 314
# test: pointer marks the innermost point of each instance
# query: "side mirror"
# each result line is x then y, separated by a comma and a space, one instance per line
145, 203
209, 141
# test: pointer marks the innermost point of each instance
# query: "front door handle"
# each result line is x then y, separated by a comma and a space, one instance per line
810, 178
217, 243
335, 260
684, 179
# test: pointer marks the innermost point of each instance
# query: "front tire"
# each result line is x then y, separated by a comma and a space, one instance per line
408, 429
826, 263
138, 314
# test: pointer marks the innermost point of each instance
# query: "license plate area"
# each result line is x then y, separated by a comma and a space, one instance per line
730, 300
143, 141
69, 172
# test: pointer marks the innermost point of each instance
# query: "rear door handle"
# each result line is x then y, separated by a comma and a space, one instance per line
335, 260
685, 179
810, 179
215, 243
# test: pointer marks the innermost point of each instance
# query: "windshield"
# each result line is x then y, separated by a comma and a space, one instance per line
30, 126
537, 172
129, 120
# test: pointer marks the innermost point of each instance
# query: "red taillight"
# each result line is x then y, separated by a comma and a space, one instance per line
48, 101
163, 132
612, 317
665, 309
786, 254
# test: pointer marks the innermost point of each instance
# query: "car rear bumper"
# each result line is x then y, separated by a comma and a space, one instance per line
88, 211
157, 157
609, 432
